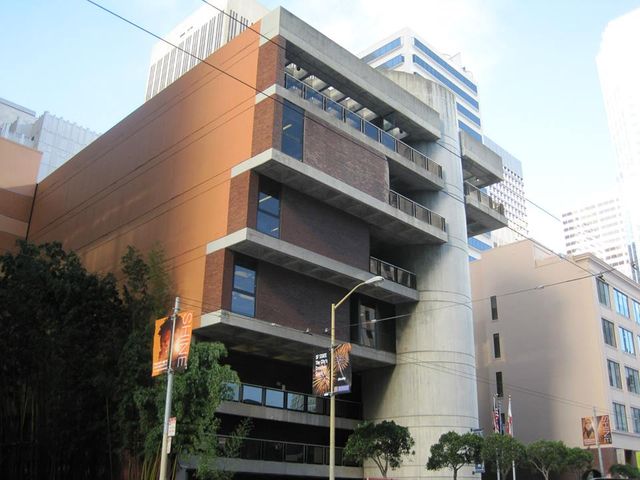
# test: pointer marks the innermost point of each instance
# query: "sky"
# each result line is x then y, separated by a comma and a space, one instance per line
534, 63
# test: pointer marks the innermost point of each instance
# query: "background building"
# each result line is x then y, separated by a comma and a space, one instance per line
561, 336
619, 77
404, 51
57, 138
601, 227
282, 202
197, 37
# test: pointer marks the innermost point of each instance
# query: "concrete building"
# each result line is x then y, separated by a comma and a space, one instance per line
19, 166
270, 206
197, 37
561, 336
57, 138
619, 77
602, 228
405, 51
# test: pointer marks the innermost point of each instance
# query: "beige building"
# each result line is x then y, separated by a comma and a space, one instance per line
561, 335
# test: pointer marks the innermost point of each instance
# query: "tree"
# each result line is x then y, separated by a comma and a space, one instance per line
502, 451
624, 470
455, 451
547, 456
577, 461
385, 443
61, 334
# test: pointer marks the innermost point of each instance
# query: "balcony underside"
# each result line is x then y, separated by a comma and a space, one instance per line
481, 166
388, 223
481, 218
257, 337
292, 257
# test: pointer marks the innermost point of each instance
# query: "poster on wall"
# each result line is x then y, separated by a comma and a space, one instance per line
181, 343
602, 427
321, 381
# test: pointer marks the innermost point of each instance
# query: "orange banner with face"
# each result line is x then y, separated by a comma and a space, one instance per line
162, 342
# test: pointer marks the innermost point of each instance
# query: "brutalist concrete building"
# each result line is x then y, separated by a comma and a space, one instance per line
276, 176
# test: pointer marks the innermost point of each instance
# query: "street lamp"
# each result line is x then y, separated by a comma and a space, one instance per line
332, 399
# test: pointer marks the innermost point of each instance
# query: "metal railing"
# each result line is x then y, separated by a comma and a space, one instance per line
289, 452
356, 121
483, 198
392, 272
416, 210
287, 400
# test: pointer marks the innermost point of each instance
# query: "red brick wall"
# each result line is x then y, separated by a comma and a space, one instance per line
218, 276
345, 159
243, 194
311, 224
294, 300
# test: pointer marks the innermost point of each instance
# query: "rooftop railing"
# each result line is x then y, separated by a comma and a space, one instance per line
416, 210
287, 400
356, 121
289, 452
483, 198
392, 273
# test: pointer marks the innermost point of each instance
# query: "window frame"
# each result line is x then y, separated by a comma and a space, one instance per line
603, 293
269, 189
620, 417
627, 345
494, 307
635, 419
251, 266
499, 384
622, 303
605, 329
497, 352
633, 374
290, 109
615, 377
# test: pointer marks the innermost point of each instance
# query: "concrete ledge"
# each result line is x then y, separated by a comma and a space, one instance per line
481, 165
481, 218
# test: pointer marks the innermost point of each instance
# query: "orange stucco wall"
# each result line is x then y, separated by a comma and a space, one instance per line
19, 169
162, 175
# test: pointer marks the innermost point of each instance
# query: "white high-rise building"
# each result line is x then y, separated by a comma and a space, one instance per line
619, 71
197, 37
405, 51
57, 138
600, 227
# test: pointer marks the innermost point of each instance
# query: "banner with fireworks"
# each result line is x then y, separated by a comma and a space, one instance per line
321, 381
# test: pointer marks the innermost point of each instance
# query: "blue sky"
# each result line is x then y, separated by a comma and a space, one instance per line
534, 63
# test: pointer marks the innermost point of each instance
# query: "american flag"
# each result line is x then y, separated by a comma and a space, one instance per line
496, 417
509, 426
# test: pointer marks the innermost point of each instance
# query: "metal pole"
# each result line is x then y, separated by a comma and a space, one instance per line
167, 402
332, 401
597, 435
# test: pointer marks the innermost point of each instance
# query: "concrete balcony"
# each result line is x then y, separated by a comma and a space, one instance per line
481, 166
483, 213
292, 257
282, 459
407, 166
396, 222
278, 342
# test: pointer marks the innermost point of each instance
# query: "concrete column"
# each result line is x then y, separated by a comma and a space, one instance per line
432, 389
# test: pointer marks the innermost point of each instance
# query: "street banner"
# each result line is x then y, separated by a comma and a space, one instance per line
321, 381
509, 425
172, 427
589, 430
181, 343
342, 378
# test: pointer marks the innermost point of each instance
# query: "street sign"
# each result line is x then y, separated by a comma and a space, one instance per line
172, 427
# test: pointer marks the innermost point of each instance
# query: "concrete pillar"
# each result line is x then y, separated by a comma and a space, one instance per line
432, 389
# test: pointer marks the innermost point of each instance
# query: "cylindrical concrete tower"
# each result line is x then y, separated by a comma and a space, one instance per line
432, 389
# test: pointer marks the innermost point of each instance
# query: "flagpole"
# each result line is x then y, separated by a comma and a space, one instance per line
510, 422
496, 429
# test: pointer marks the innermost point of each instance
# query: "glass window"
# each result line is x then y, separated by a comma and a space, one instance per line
292, 130
243, 296
609, 332
251, 394
274, 398
388, 47
635, 416
636, 310
366, 331
603, 293
626, 341
622, 303
499, 389
620, 416
295, 401
268, 218
614, 374
496, 345
633, 380
494, 308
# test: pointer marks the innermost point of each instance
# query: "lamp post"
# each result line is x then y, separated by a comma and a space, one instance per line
332, 399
